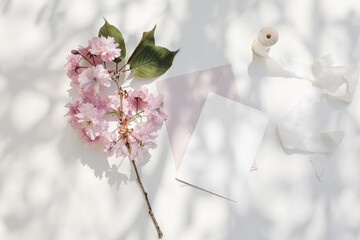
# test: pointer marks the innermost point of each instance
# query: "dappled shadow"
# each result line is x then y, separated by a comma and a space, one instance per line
52, 187
93, 157
322, 195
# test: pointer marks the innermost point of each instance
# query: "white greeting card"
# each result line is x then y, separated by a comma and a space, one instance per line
185, 96
223, 146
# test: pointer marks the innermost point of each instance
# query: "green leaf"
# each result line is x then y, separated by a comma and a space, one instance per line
152, 61
146, 40
109, 30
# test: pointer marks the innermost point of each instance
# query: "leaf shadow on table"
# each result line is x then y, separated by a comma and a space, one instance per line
29, 214
198, 14
92, 157
322, 196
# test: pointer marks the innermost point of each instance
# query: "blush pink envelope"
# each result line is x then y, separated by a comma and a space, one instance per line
184, 98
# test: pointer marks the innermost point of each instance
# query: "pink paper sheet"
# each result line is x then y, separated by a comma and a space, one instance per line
184, 98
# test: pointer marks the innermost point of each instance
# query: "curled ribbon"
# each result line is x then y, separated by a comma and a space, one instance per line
338, 82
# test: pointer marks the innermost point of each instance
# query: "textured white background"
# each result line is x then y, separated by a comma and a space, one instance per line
51, 187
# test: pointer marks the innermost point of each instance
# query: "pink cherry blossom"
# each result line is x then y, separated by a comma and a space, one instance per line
141, 112
89, 59
93, 79
104, 47
113, 105
120, 149
155, 112
142, 139
75, 104
73, 107
158, 116
136, 150
117, 148
97, 101
72, 67
139, 98
85, 137
109, 139
91, 119
146, 134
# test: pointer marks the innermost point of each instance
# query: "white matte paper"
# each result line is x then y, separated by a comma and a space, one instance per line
223, 146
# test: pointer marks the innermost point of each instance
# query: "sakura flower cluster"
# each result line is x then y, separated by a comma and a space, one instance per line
124, 121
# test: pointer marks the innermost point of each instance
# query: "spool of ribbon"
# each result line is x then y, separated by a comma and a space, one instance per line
338, 82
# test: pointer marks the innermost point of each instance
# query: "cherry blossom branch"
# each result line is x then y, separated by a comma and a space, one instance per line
91, 105
122, 68
160, 234
121, 95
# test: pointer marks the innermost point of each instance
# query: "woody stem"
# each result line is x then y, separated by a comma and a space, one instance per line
121, 97
160, 234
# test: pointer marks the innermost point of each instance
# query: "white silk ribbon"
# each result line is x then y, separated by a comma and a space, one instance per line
338, 82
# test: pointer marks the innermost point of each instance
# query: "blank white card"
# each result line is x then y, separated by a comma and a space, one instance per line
223, 146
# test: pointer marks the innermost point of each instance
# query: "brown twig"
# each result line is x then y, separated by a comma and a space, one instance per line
160, 234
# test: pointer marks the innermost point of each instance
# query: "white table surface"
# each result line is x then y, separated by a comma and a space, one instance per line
51, 187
